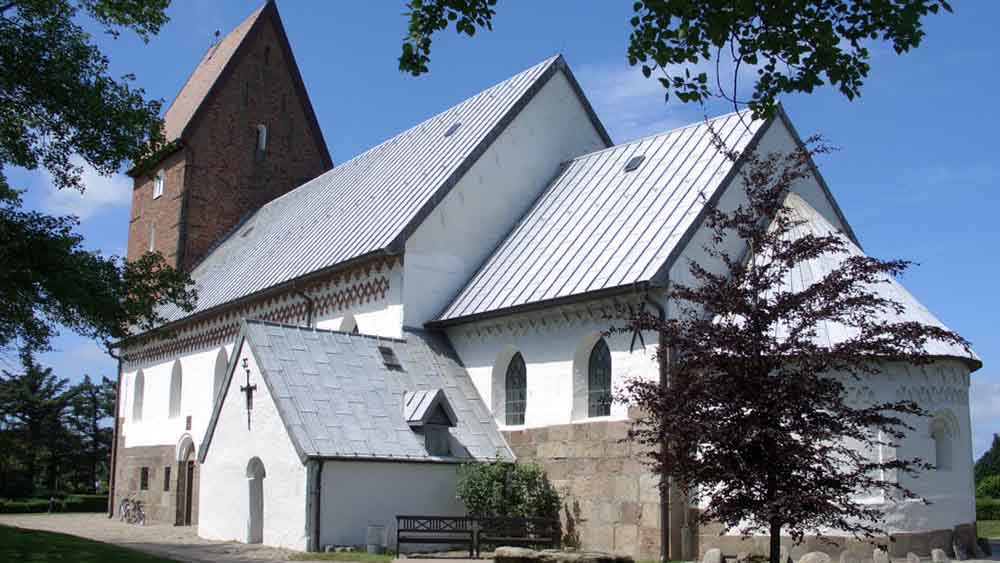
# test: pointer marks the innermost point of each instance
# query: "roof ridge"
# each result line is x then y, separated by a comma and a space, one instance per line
660, 134
303, 328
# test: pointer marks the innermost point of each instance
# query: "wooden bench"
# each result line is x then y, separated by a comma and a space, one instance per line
438, 530
517, 532
476, 532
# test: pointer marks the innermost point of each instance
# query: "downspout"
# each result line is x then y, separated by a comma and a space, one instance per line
663, 358
317, 492
310, 305
114, 444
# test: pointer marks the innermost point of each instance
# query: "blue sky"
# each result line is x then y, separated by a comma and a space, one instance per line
917, 174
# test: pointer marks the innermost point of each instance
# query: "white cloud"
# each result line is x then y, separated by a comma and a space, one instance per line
632, 106
984, 404
101, 193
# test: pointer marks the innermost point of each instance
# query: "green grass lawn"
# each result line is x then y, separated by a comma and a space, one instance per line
360, 556
18, 544
989, 528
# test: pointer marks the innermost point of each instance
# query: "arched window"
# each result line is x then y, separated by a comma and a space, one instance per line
158, 184
944, 430
221, 362
599, 380
176, 383
137, 394
516, 391
261, 147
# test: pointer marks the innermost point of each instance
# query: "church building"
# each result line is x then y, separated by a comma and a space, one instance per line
365, 328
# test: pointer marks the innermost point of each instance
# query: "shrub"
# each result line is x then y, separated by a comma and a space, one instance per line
989, 487
987, 509
72, 503
507, 489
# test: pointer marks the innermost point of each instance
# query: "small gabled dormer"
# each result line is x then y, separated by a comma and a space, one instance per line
430, 415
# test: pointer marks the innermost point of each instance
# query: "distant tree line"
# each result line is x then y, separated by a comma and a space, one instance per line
54, 437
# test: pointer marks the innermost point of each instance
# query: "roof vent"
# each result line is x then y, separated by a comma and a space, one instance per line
451, 130
389, 358
634, 162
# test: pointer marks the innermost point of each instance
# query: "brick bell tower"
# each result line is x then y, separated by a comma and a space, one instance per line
240, 133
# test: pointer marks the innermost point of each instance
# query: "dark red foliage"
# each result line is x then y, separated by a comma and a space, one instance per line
752, 419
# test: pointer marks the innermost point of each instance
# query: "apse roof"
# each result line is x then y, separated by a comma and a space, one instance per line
338, 399
367, 205
610, 219
808, 272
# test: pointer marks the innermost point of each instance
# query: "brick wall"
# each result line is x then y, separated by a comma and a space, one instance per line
218, 178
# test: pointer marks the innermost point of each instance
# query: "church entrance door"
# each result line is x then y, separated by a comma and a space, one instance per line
187, 476
189, 493
255, 504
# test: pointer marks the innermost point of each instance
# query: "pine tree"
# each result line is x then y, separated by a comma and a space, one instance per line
989, 463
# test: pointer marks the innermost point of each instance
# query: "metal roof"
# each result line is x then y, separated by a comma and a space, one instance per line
366, 205
338, 399
420, 407
808, 272
599, 226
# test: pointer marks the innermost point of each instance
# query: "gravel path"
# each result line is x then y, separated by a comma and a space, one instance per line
174, 542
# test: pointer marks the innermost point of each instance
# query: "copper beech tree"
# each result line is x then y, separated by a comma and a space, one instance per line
755, 420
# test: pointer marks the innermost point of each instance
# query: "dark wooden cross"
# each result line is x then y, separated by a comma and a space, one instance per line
248, 390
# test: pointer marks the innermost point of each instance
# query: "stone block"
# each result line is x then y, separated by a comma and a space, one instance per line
815, 557
713, 555
649, 543
598, 536
625, 487
525, 555
649, 488
631, 512
649, 515
939, 556
609, 512
880, 556
560, 433
626, 539
849, 557
912, 558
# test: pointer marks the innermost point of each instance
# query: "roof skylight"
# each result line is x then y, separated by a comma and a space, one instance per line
634, 162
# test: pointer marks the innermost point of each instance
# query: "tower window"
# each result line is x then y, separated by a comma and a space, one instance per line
267, 55
143, 478
158, 184
261, 147
152, 237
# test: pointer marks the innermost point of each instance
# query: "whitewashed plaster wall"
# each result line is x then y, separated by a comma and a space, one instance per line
556, 349
157, 427
224, 488
455, 239
383, 317
358, 494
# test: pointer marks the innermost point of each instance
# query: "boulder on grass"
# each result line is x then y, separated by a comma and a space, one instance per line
939, 556
815, 557
880, 556
524, 555
713, 555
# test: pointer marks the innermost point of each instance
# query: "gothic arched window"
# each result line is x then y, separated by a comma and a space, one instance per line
221, 362
261, 146
599, 380
516, 387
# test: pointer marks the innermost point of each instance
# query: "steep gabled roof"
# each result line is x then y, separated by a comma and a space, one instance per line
214, 67
601, 226
370, 204
806, 273
338, 399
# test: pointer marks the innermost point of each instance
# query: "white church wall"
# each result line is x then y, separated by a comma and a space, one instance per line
382, 317
556, 352
359, 494
224, 489
455, 239
157, 427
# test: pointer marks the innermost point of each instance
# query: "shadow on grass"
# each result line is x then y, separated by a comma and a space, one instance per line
19, 544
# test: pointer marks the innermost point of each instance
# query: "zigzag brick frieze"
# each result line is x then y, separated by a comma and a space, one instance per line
366, 283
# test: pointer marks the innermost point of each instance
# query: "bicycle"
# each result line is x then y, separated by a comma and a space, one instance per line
130, 511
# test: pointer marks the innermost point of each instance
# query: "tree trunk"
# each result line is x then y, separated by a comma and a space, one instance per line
775, 541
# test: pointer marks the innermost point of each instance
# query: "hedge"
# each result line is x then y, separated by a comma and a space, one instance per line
72, 503
987, 508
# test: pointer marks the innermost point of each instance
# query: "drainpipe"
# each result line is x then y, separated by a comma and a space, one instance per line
317, 492
664, 357
310, 306
114, 444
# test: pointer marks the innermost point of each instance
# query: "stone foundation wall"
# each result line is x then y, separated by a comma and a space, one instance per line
162, 507
610, 501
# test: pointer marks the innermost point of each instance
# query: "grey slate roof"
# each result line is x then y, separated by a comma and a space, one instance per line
367, 205
337, 398
598, 227
806, 273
